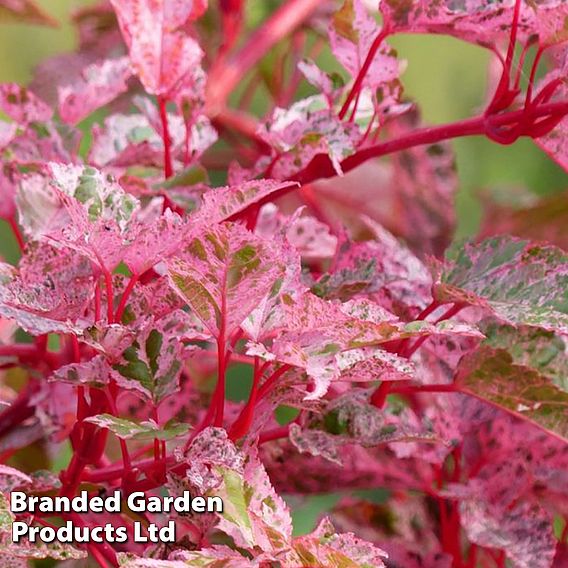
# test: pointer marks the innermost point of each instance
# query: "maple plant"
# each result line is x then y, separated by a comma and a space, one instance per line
178, 245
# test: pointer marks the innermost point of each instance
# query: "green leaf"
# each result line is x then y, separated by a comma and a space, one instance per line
152, 363
6, 516
145, 431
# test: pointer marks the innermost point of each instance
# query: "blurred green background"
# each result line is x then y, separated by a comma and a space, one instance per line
447, 77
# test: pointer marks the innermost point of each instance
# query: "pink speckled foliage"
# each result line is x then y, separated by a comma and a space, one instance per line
176, 247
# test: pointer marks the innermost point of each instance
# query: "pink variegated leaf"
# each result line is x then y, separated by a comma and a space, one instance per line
225, 203
135, 140
333, 341
79, 208
253, 514
329, 84
49, 291
28, 550
382, 269
352, 33
523, 463
268, 315
223, 273
44, 142
311, 238
157, 299
210, 453
56, 406
100, 83
304, 130
162, 52
520, 282
125, 140
351, 419
524, 532
324, 548
153, 241
189, 137
479, 21
211, 556
316, 332
95, 373
11, 478
368, 364
22, 105
24, 11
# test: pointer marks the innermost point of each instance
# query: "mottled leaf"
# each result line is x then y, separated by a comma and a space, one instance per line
523, 533
22, 105
480, 21
521, 282
77, 207
225, 203
383, 269
492, 375
253, 514
146, 431
163, 54
100, 83
304, 130
326, 549
49, 291
223, 274
352, 33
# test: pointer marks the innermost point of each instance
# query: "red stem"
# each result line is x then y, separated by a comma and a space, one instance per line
226, 75
110, 295
97, 301
126, 294
454, 310
168, 167
271, 381
503, 95
242, 424
275, 434
321, 167
19, 411
219, 397
355, 90
17, 233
